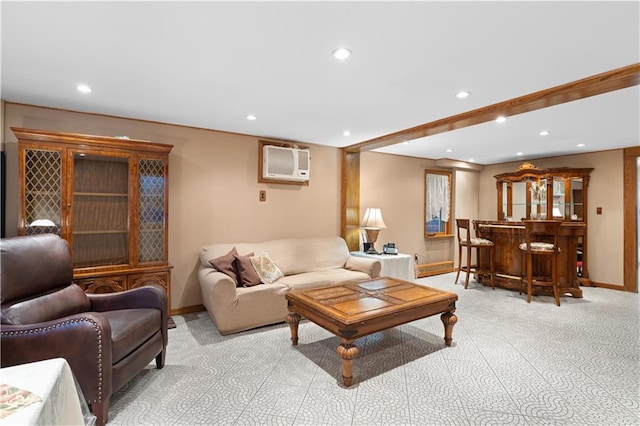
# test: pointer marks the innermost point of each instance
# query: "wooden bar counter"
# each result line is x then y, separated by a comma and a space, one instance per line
510, 263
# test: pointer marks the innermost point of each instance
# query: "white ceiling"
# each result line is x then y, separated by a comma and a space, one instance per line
209, 64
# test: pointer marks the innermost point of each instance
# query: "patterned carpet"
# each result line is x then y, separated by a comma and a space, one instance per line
510, 364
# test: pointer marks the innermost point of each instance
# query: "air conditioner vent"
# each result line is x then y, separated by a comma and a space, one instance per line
281, 163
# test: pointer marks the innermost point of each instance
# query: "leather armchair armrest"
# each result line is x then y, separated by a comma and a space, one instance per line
150, 296
84, 340
147, 296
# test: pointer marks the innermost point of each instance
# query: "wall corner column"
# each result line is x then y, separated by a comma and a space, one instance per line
350, 199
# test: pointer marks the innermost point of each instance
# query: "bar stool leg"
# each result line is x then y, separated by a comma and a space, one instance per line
459, 263
554, 277
529, 277
492, 262
466, 281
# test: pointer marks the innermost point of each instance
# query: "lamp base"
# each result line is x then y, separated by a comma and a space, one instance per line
372, 236
371, 250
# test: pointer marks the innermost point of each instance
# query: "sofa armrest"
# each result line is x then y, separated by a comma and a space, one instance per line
369, 266
217, 288
84, 340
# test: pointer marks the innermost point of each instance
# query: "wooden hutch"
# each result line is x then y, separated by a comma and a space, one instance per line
107, 196
531, 193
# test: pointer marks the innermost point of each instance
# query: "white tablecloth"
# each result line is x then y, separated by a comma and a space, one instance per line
393, 265
62, 402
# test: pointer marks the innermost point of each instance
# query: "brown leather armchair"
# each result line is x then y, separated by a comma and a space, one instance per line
107, 339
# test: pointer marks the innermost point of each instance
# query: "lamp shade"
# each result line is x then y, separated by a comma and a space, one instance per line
373, 219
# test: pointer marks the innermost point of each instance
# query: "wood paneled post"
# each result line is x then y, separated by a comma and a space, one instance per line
630, 177
350, 199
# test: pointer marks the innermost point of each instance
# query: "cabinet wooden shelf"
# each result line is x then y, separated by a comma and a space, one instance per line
530, 193
98, 194
107, 197
115, 231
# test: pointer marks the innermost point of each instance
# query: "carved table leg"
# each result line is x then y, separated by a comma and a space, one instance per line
293, 319
449, 320
347, 351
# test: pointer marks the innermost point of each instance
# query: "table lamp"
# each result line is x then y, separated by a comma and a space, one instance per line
372, 223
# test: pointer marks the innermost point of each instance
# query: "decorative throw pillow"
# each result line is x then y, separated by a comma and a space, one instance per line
266, 268
226, 264
247, 275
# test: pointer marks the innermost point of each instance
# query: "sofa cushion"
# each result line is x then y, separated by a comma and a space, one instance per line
67, 301
266, 268
247, 275
325, 277
226, 264
129, 327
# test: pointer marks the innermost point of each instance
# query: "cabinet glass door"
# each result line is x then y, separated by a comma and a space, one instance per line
519, 209
538, 190
151, 236
576, 200
100, 230
43, 192
559, 209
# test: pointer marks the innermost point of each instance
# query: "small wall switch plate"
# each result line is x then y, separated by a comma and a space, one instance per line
598, 210
263, 195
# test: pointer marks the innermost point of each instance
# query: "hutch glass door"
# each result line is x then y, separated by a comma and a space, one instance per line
100, 229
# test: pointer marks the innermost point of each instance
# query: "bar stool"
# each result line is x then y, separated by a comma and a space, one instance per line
537, 234
473, 243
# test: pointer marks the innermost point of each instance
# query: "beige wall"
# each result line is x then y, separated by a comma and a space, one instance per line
213, 188
605, 232
213, 194
396, 184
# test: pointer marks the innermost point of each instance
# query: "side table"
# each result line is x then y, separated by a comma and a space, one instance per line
59, 400
393, 265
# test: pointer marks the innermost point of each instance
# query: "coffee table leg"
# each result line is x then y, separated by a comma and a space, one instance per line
449, 320
347, 351
293, 319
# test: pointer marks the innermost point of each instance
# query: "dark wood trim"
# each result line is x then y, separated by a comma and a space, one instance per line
605, 285
437, 268
76, 140
598, 84
188, 310
350, 199
630, 222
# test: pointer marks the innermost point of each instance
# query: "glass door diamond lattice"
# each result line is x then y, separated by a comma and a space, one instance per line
42, 198
151, 243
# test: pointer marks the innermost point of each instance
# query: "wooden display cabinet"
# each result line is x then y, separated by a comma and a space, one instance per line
530, 193
107, 196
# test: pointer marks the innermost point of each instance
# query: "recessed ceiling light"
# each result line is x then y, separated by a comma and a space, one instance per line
341, 53
519, 153
449, 150
405, 143
83, 88
462, 94
251, 117
544, 133
581, 145
471, 160
501, 119
346, 133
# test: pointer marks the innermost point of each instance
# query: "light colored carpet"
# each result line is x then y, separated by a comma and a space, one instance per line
511, 363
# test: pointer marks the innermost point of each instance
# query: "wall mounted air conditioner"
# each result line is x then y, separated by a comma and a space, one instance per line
282, 163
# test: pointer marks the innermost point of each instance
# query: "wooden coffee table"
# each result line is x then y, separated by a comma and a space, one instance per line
356, 309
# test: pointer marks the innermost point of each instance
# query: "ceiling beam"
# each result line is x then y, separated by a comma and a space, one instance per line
598, 84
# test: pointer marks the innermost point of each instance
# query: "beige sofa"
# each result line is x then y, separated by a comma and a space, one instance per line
306, 263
